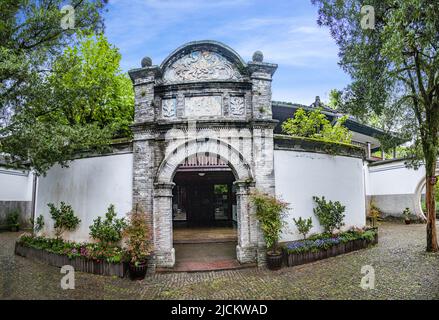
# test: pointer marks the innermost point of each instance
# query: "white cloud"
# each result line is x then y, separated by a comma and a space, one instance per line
190, 4
292, 41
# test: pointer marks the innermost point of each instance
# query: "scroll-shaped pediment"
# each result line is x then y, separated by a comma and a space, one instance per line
201, 66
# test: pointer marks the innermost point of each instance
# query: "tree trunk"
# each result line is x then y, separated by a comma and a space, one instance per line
432, 245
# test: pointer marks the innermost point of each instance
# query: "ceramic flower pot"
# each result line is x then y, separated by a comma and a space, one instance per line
137, 272
274, 261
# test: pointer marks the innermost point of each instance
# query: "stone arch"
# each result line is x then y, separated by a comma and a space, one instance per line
249, 239
236, 161
417, 197
210, 45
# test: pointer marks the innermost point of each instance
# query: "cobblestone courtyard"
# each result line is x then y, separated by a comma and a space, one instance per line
403, 271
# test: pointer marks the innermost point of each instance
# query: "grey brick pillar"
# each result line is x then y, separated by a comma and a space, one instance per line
144, 157
163, 237
246, 249
263, 158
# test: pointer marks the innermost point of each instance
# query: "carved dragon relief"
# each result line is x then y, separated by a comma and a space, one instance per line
201, 65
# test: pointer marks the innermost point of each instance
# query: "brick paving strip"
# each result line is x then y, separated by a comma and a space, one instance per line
403, 270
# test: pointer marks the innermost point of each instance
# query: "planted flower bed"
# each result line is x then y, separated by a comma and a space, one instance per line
85, 257
325, 245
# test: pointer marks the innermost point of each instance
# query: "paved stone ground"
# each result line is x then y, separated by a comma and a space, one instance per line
403, 271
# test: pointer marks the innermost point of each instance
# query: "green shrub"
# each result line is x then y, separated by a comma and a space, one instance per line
93, 251
64, 218
314, 124
330, 214
12, 218
108, 231
270, 214
374, 214
37, 224
407, 214
303, 225
325, 241
137, 234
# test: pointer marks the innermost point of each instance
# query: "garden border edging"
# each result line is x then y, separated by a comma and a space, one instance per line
78, 263
295, 259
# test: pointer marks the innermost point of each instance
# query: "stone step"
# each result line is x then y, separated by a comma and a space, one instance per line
195, 266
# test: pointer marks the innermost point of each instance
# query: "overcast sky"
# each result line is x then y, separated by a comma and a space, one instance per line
285, 31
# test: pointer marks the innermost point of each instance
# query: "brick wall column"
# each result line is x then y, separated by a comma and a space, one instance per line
163, 238
262, 145
247, 225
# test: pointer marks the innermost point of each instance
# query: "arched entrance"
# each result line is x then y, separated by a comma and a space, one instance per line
195, 202
204, 214
202, 89
419, 199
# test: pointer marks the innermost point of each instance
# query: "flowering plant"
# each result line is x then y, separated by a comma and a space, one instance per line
137, 234
326, 240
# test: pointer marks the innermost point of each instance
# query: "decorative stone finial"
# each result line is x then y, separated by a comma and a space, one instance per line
258, 56
317, 100
146, 62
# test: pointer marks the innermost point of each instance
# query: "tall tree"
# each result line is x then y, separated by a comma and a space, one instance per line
392, 57
81, 104
33, 35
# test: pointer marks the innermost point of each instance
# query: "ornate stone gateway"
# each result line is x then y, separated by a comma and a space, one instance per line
203, 100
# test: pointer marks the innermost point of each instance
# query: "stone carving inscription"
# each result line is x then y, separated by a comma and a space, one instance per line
209, 106
169, 108
201, 65
237, 106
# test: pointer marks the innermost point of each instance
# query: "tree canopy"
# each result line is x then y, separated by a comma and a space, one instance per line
394, 66
66, 93
314, 124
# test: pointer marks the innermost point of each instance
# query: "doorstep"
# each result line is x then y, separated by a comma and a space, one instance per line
202, 266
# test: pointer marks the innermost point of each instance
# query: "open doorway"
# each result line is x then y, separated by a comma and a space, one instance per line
204, 213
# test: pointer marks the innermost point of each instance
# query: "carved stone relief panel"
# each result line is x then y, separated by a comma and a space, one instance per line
199, 66
169, 108
237, 106
203, 106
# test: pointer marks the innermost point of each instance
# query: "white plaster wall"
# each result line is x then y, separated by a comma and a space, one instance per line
89, 185
302, 175
394, 178
393, 187
15, 185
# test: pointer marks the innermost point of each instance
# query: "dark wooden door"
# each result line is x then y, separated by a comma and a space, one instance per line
200, 204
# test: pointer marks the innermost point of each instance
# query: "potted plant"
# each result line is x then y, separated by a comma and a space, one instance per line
270, 214
407, 215
138, 243
374, 214
12, 221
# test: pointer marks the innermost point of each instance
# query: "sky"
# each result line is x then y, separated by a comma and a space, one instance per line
285, 31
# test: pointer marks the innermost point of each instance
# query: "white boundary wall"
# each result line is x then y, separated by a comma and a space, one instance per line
393, 187
89, 185
302, 175
16, 194
15, 185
